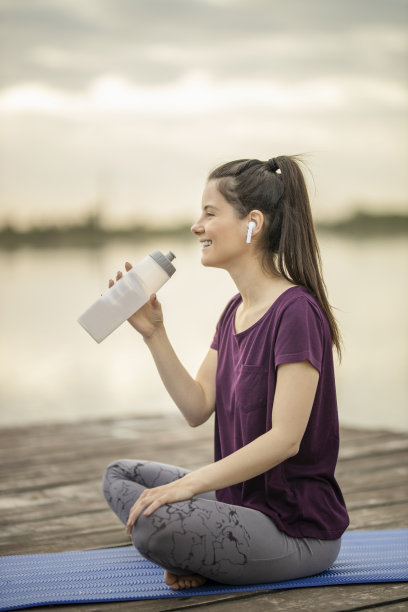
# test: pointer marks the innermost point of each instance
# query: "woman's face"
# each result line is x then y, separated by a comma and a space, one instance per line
221, 233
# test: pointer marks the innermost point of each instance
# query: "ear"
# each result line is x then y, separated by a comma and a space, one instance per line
258, 218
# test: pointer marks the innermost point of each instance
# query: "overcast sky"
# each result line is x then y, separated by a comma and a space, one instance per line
135, 101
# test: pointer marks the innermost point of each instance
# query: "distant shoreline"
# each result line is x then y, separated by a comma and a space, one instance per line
92, 234
362, 224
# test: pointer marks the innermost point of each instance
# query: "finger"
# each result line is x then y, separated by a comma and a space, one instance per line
154, 301
128, 266
153, 506
130, 523
111, 283
119, 275
129, 527
148, 502
145, 506
134, 514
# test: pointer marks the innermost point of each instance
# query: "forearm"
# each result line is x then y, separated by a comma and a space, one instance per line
256, 458
186, 392
251, 460
294, 396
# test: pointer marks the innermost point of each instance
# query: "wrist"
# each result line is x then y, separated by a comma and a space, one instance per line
196, 484
157, 334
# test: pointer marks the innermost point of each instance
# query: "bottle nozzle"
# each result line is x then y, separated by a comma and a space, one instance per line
164, 261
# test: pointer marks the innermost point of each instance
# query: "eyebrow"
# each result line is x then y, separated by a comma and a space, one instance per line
207, 206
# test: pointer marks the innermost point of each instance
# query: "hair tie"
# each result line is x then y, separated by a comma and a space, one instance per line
272, 165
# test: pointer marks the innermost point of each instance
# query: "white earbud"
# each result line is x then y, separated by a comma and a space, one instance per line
251, 226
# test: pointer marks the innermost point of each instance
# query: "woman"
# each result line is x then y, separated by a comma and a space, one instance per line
269, 508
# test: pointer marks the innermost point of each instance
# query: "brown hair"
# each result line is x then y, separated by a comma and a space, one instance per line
288, 244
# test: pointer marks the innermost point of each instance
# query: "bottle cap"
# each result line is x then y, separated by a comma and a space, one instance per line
164, 261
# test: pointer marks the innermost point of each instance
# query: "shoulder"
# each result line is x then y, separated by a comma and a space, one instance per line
298, 305
299, 299
302, 331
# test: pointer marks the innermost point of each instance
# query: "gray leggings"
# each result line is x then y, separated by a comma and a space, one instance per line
225, 543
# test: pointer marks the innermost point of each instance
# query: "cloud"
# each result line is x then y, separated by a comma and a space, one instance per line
193, 94
197, 93
68, 43
129, 86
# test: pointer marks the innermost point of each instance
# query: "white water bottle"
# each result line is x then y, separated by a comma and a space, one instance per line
127, 295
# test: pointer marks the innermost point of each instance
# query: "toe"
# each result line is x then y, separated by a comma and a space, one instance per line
170, 579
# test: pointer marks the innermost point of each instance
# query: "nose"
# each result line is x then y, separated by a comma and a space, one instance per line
197, 228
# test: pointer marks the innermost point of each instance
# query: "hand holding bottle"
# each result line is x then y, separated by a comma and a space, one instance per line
147, 319
128, 295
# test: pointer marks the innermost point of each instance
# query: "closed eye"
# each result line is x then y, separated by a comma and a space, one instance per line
208, 210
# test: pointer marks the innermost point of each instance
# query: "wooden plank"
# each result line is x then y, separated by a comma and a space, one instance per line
370, 466
380, 517
360, 478
52, 499
325, 599
316, 599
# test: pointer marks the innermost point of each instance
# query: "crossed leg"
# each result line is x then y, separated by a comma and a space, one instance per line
202, 538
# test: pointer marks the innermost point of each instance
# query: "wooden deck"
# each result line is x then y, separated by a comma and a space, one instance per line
51, 501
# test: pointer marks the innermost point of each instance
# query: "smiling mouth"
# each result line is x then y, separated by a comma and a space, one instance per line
206, 243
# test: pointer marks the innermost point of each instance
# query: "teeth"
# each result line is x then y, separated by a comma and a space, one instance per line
206, 243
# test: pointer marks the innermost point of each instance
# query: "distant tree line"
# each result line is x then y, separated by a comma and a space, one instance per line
92, 233
362, 224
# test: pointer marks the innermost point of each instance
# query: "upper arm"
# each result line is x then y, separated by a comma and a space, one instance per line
294, 396
206, 379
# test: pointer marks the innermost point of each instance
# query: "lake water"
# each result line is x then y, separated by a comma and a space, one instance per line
51, 370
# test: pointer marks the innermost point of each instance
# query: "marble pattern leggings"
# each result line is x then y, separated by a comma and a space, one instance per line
225, 543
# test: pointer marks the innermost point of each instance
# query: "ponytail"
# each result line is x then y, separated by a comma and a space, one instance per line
289, 245
298, 258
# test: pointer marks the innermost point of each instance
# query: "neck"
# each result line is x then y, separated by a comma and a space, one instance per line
256, 285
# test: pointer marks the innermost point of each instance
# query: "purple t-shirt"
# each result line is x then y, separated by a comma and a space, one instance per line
300, 494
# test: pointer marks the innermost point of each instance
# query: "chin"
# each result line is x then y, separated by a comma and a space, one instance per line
208, 263
210, 260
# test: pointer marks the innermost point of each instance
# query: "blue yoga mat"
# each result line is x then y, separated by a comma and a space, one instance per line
121, 574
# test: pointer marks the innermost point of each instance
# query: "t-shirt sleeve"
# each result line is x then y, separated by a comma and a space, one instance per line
300, 335
214, 343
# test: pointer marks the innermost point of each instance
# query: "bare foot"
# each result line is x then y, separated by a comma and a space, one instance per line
189, 581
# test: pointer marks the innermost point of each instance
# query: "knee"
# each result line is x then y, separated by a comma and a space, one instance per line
112, 468
113, 472
121, 468
151, 537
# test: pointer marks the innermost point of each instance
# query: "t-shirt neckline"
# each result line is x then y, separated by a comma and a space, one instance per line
265, 314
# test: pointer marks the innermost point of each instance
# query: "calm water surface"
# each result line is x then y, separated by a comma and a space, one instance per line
51, 370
